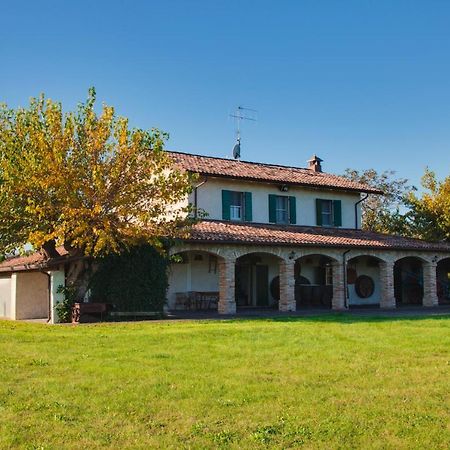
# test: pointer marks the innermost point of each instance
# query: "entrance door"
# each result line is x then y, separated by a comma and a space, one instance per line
262, 285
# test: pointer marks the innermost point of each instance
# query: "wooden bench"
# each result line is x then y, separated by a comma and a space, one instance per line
83, 309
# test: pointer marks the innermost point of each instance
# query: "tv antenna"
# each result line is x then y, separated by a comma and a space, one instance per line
240, 115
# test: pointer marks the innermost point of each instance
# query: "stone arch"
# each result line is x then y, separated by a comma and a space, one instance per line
257, 278
440, 258
357, 254
416, 256
443, 281
216, 251
409, 280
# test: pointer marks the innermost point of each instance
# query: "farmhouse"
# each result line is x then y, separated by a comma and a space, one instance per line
291, 238
273, 237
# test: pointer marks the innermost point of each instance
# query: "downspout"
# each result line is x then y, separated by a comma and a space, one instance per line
356, 209
344, 265
196, 196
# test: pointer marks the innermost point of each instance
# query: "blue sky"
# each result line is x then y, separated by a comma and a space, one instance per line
360, 83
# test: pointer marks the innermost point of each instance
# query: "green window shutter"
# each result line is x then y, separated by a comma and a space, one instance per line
272, 208
226, 199
248, 206
319, 211
337, 213
292, 211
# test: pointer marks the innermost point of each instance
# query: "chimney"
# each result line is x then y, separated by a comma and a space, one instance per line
314, 163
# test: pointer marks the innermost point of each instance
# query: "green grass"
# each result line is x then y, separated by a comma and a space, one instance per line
330, 382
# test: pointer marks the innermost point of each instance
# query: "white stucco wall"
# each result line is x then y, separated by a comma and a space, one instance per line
210, 199
194, 275
364, 267
5, 296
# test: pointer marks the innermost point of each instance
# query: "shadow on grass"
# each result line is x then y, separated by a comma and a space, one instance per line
352, 318
335, 317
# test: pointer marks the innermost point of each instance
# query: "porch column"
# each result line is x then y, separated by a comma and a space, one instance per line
387, 299
287, 286
338, 301
430, 297
227, 301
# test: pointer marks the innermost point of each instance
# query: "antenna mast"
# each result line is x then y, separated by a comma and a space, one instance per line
241, 114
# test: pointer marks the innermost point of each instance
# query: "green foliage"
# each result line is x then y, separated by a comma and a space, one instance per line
134, 280
429, 214
64, 307
383, 213
85, 179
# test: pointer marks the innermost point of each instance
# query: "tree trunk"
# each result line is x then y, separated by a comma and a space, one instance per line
49, 250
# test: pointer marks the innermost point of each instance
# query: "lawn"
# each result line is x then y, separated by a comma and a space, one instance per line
330, 382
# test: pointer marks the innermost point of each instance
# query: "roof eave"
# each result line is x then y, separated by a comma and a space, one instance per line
312, 244
290, 183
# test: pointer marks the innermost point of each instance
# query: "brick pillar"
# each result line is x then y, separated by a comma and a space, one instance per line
227, 301
430, 297
287, 286
338, 301
387, 299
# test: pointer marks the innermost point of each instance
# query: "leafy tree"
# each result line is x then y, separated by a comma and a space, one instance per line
383, 213
85, 180
429, 214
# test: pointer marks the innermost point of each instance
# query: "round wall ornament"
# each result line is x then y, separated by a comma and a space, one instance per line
364, 286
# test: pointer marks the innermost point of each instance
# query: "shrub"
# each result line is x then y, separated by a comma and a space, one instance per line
64, 307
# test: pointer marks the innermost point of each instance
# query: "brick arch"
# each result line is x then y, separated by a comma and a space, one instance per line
422, 259
263, 251
188, 249
442, 258
333, 257
351, 256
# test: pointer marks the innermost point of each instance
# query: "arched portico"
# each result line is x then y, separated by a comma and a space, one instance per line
257, 280
409, 280
443, 281
315, 276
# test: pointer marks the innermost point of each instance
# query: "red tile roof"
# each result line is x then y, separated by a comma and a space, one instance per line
231, 168
265, 234
28, 262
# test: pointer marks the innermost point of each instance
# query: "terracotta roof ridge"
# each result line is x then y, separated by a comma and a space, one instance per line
267, 172
283, 166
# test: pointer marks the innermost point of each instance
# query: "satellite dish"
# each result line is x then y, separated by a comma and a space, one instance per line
237, 149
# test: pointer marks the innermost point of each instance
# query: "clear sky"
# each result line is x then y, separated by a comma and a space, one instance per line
360, 83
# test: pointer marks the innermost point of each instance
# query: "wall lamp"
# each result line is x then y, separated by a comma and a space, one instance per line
291, 255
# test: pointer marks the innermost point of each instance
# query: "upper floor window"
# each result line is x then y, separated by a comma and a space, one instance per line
282, 209
237, 206
329, 213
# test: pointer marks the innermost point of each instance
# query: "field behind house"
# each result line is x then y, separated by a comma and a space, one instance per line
330, 382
